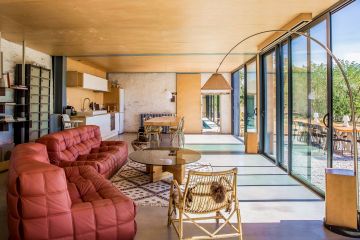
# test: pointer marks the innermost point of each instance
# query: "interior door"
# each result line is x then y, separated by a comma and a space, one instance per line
188, 102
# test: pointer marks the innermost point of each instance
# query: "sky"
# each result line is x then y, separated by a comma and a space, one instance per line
345, 38
345, 32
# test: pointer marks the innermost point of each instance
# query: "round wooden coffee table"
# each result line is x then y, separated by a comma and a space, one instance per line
164, 160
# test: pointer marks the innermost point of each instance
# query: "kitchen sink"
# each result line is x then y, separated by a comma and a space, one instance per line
91, 113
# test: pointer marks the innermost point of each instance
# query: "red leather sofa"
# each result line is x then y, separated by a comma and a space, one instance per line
49, 202
83, 146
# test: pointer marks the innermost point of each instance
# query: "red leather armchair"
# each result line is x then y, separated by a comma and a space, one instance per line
83, 146
48, 202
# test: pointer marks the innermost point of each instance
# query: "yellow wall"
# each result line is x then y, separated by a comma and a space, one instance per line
188, 101
76, 95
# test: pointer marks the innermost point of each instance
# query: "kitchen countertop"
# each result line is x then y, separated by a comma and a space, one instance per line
82, 117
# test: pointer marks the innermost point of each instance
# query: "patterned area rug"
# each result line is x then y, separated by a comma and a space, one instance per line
134, 182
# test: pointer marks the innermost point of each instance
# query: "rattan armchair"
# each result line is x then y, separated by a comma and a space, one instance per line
198, 198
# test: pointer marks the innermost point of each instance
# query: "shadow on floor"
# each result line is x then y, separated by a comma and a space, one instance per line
283, 230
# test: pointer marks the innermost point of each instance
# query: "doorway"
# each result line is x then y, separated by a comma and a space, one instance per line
210, 117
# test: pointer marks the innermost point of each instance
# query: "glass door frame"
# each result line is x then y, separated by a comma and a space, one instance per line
263, 120
250, 61
280, 100
235, 95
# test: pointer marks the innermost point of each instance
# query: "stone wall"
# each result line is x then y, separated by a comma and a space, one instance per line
12, 53
145, 93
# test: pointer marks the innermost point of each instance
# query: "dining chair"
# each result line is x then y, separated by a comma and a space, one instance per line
207, 195
153, 131
341, 142
179, 132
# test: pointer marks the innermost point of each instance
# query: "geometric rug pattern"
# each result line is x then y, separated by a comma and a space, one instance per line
133, 181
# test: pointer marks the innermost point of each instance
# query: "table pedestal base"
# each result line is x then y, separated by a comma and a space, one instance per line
158, 173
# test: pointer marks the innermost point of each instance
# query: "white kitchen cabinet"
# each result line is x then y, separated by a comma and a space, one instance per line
104, 122
87, 81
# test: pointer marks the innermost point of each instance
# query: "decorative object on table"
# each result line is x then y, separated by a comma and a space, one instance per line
347, 177
135, 182
138, 145
346, 120
206, 193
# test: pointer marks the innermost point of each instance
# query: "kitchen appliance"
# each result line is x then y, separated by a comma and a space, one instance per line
94, 106
70, 110
115, 101
122, 110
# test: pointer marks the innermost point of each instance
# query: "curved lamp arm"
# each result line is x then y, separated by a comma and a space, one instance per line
351, 98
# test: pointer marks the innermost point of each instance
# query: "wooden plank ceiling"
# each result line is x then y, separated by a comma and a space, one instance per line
149, 36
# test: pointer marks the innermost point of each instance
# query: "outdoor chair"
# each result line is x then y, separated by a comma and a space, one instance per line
212, 194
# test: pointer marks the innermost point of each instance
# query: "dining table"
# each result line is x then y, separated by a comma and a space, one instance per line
164, 121
337, 126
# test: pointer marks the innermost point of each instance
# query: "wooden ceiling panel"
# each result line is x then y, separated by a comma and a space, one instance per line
184, 64
107, 27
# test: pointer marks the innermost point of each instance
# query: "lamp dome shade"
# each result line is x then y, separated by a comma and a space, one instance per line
216, 85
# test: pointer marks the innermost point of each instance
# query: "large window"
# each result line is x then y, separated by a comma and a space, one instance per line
305, 118
299, 106
238, 102
285, 93
346, 46
251, 96
269, 63
309, 74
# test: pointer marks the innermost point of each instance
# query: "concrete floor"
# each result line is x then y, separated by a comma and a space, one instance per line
273, 205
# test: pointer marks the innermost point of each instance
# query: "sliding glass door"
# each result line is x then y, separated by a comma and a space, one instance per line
269, 83
306, 120
285, 95
309, 76
238, 102
250, 100
346, 46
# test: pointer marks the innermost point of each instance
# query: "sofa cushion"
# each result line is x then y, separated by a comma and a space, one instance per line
106, 163
49, 202
68, 145
86, 185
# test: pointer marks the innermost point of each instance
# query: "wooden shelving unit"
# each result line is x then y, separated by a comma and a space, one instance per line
35, 103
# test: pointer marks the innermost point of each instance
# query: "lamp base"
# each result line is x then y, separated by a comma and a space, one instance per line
347, 232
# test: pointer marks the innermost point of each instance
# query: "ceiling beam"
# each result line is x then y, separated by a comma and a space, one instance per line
296, 22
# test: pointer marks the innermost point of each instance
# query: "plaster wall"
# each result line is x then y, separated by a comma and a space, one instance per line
12, 55
145, 93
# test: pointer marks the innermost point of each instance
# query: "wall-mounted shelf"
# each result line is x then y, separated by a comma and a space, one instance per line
37, 79
13, 121
19, 87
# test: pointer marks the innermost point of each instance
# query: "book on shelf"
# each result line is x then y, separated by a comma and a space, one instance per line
7, 118
19, 86
21, 119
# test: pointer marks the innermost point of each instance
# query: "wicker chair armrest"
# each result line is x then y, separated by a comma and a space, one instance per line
175, 184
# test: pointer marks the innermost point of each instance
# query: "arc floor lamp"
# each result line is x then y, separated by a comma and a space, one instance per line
345, 219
